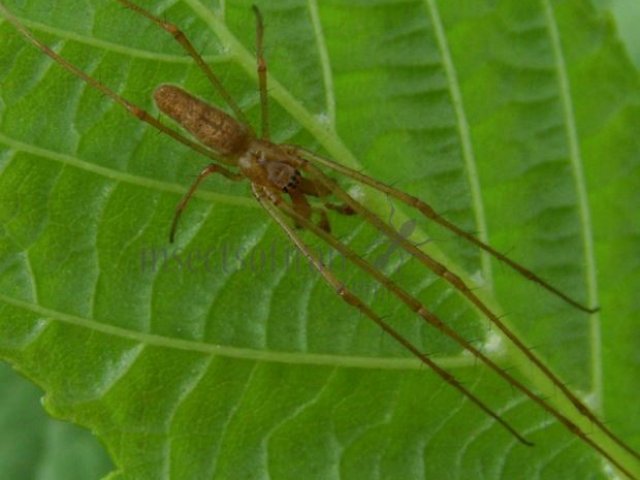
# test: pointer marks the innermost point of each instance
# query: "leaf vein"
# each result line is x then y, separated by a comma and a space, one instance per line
575, 157
124, 177
325, 62
464, 134
293, 358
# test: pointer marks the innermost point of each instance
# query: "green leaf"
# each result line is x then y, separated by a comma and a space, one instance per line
225, 356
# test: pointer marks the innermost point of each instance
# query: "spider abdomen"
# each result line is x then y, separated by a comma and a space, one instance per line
210, 125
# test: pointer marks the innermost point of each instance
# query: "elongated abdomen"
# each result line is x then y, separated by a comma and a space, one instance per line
208, 124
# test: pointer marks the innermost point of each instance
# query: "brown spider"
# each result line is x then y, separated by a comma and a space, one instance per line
279, 171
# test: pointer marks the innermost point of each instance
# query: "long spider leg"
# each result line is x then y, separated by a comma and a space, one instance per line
417, 307
349, 297
262, 73
208, 170
457, 282
184, 42
431, 214
96, 84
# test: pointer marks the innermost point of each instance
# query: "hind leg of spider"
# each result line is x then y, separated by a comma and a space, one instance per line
415, 305
461, 286
349, 297
188, 47
208, 170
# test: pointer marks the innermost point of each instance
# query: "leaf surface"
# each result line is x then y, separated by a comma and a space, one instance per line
224, 355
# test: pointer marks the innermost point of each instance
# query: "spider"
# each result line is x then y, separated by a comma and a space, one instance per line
284, 177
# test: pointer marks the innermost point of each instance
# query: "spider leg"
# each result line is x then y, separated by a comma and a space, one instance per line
184, 42
459, 284
96, 84
431, 214
349, 297
429, 317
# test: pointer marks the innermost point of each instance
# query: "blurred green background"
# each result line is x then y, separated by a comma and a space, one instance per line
627, 17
